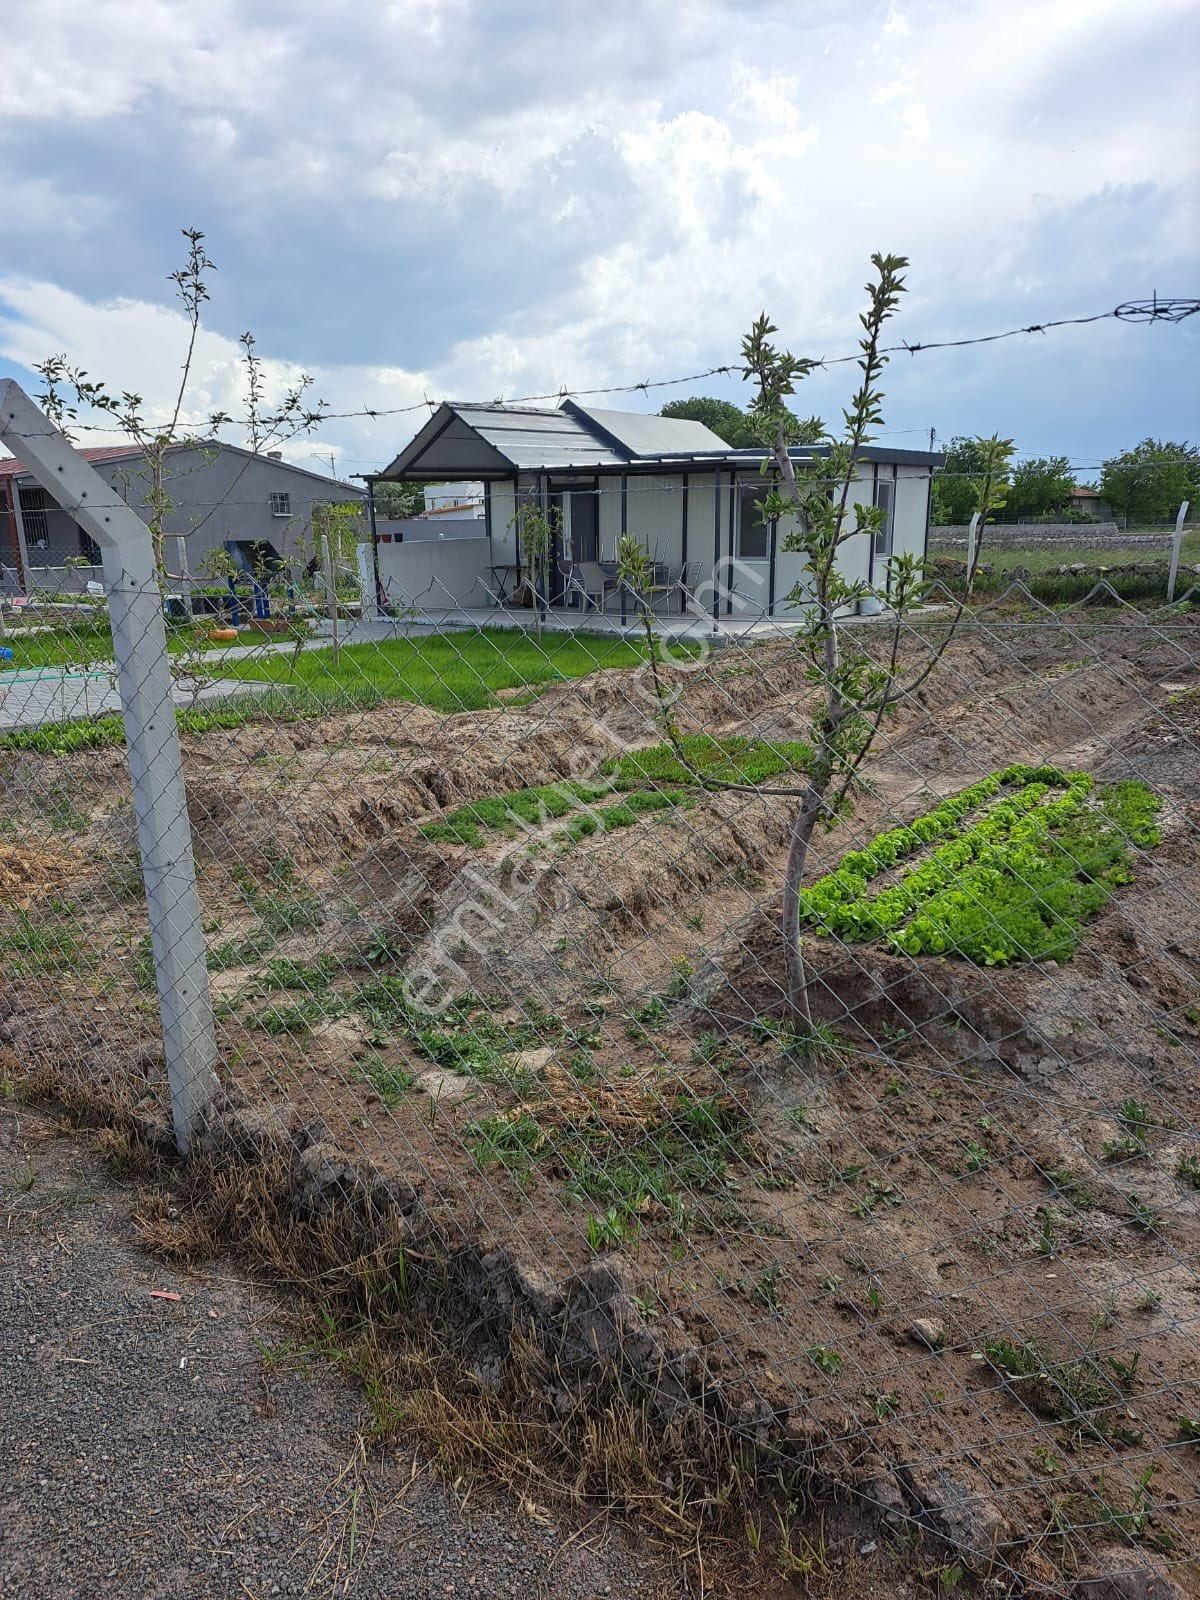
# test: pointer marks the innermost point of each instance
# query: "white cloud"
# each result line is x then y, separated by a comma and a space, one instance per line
534, 197
916, 120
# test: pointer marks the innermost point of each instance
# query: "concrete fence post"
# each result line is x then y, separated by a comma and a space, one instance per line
1176, 546
152, 740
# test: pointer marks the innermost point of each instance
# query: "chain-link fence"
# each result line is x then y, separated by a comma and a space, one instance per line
492, 953
1059, 562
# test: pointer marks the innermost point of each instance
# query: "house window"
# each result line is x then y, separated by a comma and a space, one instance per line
33, 516
88, 548
885, 496
281, 504
753, 534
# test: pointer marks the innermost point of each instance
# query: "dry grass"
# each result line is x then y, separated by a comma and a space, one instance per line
488, 1405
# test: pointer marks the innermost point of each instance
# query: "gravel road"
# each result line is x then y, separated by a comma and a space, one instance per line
145, 1453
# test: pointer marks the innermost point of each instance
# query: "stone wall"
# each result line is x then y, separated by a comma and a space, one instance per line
1036, 535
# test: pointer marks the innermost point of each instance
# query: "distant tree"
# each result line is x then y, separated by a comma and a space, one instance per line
741, 430
1148, 482
956, 482
399, 499
1040, 485
725, 419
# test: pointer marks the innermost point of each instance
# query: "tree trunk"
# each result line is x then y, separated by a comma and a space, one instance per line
793, 946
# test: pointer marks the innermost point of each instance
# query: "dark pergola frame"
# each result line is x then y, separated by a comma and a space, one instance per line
685, 465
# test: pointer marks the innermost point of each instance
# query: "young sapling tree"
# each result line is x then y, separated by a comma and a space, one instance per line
538, 532
855, 689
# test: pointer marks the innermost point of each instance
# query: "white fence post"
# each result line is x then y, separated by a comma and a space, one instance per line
1176, 543
366, 583
152, 739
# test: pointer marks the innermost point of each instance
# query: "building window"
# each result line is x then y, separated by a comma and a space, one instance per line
88, 548
281, 504
753, 534
33, 516
885, 496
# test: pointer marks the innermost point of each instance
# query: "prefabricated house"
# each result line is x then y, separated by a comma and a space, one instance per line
220, 495
687, 497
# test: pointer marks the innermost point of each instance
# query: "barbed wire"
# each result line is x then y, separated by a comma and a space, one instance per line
1173, 310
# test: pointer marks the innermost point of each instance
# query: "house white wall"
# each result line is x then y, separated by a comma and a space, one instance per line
504, 510
653, 513
912, 508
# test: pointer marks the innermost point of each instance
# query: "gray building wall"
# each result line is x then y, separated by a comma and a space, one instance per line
218, 492
435, 575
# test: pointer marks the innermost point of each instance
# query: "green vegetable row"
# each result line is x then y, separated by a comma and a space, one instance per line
1015, 884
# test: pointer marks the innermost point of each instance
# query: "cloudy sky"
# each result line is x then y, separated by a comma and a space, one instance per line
483, 198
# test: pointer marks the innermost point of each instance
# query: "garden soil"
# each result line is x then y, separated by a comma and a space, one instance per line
950, 1176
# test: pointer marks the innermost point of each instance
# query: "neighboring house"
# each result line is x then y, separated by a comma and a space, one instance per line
1085, 498
678, 488
454, 500
219, 493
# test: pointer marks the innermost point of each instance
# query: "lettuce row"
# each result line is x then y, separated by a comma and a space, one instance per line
1015, 884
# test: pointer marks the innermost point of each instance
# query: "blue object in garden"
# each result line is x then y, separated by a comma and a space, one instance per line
235, 604
259, 560
5, 652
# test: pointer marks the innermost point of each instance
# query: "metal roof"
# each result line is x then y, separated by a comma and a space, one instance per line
506, 439
496, 441
637, 434
799, 453
13, 467
531, 438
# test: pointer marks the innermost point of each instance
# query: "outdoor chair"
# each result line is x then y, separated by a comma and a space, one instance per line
687, 585
603, 584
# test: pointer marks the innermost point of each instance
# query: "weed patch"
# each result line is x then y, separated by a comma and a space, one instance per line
646, 780
1083, 1392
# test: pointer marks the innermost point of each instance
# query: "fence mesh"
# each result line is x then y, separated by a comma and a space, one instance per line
476, 933
1063, 561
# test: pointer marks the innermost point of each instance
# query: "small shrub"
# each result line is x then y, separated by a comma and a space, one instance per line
826, 1358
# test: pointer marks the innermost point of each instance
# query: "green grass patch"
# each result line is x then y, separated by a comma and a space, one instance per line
1084, 1392
1020, 861
84, 644
283, 902
448, 672
655, 779
30, 946
687, 1152
1037, 567
299, 1018
390, 1080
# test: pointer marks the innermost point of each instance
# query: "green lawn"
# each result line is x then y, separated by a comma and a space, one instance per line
88, 641
80, 645
1038, 566
449, 672
1048, 558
